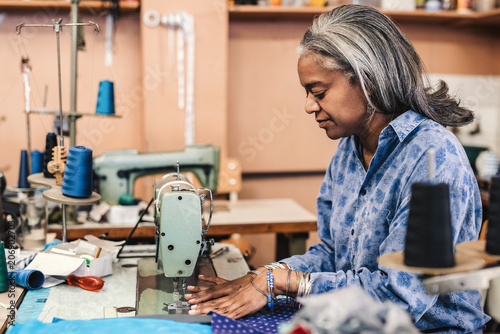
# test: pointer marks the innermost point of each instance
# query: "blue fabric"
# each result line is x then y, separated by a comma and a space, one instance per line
257, 323
32, 305
362, 214
114, 325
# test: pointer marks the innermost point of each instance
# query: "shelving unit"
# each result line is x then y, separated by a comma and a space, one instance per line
65, 114
128, 6
257, 13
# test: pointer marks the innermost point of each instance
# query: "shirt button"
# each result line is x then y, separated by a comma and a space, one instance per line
352, 232
362, 191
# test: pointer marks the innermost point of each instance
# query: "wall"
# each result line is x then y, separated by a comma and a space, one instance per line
39, 44
254, 107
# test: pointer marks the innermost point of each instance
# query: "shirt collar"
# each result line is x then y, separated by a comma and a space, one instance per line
405, 123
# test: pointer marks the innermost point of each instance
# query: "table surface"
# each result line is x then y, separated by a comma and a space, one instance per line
120, 290
282, 215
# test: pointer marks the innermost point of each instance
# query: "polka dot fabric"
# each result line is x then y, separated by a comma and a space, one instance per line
257, 323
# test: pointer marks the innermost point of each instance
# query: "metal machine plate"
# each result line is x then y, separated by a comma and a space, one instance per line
155, 291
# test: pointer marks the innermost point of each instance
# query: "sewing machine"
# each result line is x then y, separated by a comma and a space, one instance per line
116, 171
180, 228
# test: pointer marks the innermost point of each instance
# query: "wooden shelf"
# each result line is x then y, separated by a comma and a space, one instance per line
66, 114
260, 13
126, 6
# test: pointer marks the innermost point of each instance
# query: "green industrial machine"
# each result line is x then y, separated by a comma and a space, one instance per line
116, 171
180, 230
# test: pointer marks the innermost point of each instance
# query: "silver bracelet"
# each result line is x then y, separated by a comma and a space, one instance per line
304, 285
274, 265
255, 272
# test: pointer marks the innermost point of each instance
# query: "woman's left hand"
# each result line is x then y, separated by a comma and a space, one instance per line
233, 299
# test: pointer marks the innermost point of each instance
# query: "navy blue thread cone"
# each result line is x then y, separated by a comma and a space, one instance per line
50, 143
29, 279
429, 239
37, 159
105, 98
493, 232
77, 180
23, 171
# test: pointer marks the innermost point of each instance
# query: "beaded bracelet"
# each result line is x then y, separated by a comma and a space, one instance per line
270, 285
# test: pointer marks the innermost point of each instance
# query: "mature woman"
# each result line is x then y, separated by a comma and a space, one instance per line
365, 85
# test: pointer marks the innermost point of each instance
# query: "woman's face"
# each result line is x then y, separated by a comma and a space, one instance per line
339, 107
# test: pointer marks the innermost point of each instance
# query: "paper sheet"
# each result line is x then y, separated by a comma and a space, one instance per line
55, 265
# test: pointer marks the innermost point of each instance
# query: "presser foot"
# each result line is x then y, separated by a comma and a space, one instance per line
178, 307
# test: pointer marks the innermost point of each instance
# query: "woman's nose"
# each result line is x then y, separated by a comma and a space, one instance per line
311, 104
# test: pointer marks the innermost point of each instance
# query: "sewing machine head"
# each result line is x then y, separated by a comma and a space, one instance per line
180, 223
116, 171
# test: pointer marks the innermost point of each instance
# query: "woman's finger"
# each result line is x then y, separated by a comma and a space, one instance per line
227, 307
238, 303
202, 294
216, 280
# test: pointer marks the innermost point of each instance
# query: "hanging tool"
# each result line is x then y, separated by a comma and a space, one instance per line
183, 23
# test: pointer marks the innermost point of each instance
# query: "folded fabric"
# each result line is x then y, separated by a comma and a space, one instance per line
258, 323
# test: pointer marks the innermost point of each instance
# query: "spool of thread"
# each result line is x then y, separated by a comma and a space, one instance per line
4, 277
37, 158
105, 98
77, 180
429, 239
23, 171
50, 143
493, 232
29, 279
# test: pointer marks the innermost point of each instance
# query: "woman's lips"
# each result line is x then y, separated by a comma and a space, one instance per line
322, 123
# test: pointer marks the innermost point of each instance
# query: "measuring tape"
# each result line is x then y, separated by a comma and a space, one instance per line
183, 23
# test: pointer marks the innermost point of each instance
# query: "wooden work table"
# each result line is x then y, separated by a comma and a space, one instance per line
120, 296
244, 216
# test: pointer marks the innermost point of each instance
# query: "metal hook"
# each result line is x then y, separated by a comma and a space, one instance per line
56, 26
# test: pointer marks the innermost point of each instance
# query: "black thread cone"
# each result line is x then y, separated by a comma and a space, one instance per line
50, 143
4, 277
429, 239
493, 232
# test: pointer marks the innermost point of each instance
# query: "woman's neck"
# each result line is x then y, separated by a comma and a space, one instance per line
369, 137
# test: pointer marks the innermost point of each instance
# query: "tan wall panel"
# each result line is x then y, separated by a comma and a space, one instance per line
268, 128
455, 49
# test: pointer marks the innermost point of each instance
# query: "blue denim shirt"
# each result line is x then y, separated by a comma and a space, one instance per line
363, 214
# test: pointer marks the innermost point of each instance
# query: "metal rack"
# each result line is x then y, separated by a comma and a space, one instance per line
54, 193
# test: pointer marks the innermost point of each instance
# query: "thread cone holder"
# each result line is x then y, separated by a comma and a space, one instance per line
58, 163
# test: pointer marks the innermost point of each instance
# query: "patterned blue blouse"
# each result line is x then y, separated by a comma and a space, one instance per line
362, 214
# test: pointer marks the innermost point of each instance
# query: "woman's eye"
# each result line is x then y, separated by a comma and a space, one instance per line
319, 96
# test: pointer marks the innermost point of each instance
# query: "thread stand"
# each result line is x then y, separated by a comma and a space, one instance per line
54, 194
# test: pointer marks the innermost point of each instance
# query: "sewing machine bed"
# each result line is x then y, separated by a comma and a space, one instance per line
155, 291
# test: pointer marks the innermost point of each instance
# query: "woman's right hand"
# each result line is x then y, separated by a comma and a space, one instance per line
233, 299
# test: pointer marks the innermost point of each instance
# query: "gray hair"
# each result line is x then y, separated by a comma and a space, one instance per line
367, 46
